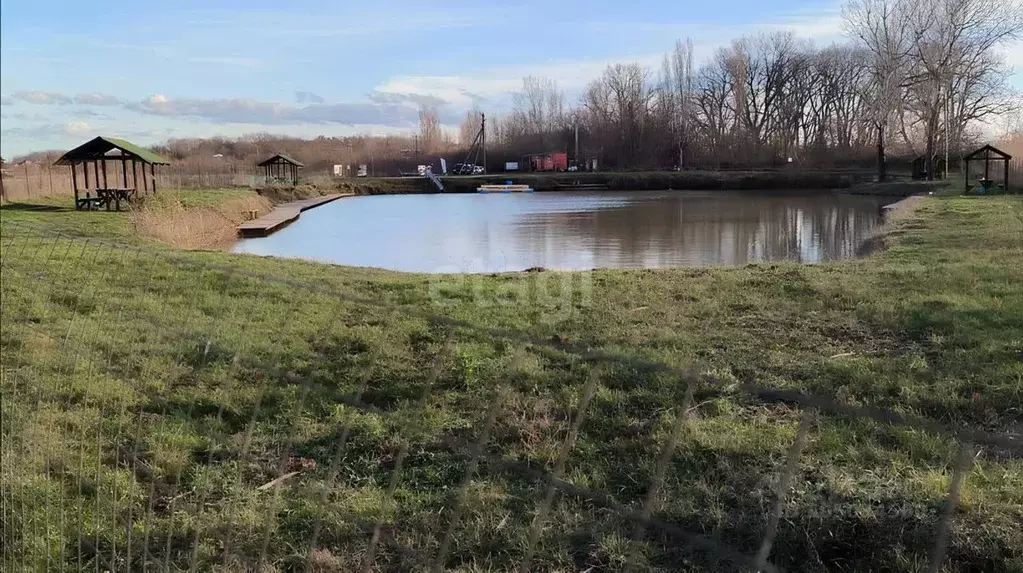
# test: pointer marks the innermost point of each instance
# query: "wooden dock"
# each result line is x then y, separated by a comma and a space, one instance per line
284, 214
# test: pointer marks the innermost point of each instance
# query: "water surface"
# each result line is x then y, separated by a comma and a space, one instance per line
576, 230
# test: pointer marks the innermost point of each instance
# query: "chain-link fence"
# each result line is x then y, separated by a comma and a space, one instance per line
167, 411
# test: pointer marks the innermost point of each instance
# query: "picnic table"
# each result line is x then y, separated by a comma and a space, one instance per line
106, 197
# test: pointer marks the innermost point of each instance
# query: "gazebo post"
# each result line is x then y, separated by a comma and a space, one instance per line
104, 164
124, 172
145, 180
85, 170
74, 183
134, 176
152, 171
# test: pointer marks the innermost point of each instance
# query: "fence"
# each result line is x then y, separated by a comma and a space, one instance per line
28, 180
168, 411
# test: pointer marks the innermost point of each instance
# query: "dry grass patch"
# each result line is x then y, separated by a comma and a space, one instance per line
167, 220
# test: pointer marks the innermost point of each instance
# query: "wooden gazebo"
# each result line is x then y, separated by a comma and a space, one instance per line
987, 154
280, 168
110, 191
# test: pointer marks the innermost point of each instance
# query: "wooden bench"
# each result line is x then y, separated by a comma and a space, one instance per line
105, 198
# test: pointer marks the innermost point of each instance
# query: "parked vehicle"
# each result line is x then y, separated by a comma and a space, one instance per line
467, 169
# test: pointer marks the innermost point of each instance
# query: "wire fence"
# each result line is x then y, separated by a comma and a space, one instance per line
165, 411
32, 180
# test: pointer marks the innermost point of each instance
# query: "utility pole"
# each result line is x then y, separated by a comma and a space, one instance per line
483, 136
576, 158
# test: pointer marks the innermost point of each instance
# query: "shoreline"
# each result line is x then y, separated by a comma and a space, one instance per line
639, 181
891, 216
855, 183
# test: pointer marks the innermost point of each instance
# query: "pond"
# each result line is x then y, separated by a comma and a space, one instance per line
477, 233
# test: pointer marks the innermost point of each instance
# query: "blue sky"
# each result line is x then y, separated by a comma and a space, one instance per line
70, 70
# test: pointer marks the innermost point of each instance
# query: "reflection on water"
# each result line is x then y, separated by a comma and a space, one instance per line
575, 231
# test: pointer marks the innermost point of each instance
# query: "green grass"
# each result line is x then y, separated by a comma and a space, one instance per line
127, 372
57, 214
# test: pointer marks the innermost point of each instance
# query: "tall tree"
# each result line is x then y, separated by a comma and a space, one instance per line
884, 29
429, 129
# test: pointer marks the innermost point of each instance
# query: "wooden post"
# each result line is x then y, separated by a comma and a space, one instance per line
74, 183
145, 182
105, 183
134, 176
152, 171
124, 172
85, 170
49, 172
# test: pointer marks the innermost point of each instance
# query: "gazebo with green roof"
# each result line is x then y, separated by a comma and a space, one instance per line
281, 168
110, 192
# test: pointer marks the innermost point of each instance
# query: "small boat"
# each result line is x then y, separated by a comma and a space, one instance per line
507, 188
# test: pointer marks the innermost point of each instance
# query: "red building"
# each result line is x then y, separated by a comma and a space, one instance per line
546, 162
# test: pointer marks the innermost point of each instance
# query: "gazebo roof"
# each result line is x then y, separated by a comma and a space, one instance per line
989, 152
109, 148
280, 158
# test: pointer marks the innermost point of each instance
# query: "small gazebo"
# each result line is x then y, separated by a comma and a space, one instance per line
110, 191
987, 154
280, 168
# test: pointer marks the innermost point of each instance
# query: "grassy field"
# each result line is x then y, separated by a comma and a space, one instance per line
148, 394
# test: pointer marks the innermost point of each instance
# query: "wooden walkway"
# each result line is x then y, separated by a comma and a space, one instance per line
284, 214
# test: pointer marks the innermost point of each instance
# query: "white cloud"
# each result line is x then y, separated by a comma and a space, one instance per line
572, 76
78, 128
818, 27
96, 99
1014, 56
250, 111
498, 83
42, 98
308, 97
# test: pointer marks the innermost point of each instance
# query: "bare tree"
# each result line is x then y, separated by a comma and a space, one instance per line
470, 126
429, 129
619, 105
956, 73
884, 29
538, 110
676, 95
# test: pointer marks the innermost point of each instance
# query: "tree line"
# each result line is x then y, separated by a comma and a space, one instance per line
915, 77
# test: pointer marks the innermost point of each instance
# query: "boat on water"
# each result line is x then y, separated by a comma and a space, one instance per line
507, 188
